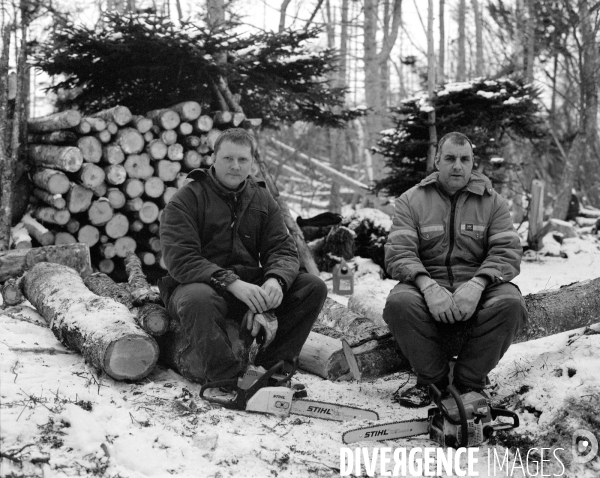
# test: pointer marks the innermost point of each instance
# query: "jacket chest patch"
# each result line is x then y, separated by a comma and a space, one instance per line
468, 227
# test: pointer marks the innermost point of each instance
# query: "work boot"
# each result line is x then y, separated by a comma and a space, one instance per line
416, 396
464, 389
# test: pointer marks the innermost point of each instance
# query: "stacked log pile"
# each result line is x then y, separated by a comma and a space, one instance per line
104, 179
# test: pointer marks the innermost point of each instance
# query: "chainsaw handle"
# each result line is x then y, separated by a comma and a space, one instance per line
462, 421
238, 403
502, 412
287, 377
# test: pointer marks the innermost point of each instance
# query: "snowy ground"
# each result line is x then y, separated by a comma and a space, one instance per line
60, 418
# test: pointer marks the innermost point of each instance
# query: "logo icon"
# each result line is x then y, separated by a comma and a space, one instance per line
584, 446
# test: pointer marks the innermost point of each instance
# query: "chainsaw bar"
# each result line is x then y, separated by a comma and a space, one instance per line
387, 431
331, 411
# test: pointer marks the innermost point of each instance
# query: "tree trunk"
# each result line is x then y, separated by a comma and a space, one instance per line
431, 89
102, 330
442, 46
479, 39
6, 165
15, 262
461, 66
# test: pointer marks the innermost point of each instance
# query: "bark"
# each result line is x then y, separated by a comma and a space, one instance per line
63, 120
119, 115
64, 158
11, 293
479, 39
102, 330
54, 137
15, 262
102, 285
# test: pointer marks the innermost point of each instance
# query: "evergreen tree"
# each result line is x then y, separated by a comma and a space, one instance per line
144, 62
484, 110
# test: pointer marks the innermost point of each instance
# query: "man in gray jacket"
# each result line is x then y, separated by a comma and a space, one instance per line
454, 250
229, 255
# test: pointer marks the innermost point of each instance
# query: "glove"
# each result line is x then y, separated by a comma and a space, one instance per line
467, 297
265, 321
440, 303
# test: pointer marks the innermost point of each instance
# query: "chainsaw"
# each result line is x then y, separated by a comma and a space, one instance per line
270, 391
456, 421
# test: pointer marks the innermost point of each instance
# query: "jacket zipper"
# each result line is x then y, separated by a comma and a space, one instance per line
452, 239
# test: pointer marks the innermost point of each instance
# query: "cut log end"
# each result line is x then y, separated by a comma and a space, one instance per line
131, 357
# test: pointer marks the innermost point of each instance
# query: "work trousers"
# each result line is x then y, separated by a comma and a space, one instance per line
201, 311
479, 343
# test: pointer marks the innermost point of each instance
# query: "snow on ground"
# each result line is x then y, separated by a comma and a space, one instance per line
61, 418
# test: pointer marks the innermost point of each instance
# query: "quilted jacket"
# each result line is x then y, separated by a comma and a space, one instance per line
452, 239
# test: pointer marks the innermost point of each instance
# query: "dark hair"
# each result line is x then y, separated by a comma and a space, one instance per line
238, 136
454, 137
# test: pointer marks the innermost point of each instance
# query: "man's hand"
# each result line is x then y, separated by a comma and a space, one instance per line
266, 321
440, 303
273, 290
467, 297
252, 295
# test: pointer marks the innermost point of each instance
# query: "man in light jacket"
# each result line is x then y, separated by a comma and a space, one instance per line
454, 250
229, 254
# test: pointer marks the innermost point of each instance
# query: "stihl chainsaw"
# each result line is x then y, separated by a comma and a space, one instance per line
270, 391
456, 421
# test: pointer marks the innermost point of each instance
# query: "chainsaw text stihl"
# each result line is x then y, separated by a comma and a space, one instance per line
457, 421
271, 392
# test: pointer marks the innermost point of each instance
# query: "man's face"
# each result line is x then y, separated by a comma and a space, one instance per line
454, 163
233, 163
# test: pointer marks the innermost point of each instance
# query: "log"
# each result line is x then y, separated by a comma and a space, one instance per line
50, 215
134, 205
192, 160
152, 243
203, 124
37, 231
165, 118
106, 266
54, 200
117, 226
100, 190
148, 213
175, 152
64, 158
154, 187
72, 226
323, 356
115, 174
133, 188
116, 198
237, 119
168, 136
148, 136
108, 251
112, 127
83, 128
91, 148
103, 136
167, 195
156, 149
89, 235
19, 237
100, 212
251, 123
154, 228
187, 110
100, 284
63, 120
185, 128
192, 142
136, 226
125, 245
181, 180
102, 330
113, 154
91, 176
53, 181
212, 136
119, 115
141, 123
138, 166
222, 117
79, 199
64, 237
147, 258
97, 124
167, 170
53, 137
11, 293
130, 140
154, 319
15, 262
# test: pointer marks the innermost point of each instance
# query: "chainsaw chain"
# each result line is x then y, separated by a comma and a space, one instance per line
335, 405
414, 420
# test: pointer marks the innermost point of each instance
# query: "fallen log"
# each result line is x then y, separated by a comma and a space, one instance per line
102, 330
11, 292
140, 289
119, 115
37, 231
65, 158
15, 262
323, 356
102, 285
63, 120
51, 180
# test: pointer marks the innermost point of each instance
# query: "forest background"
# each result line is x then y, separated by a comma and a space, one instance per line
386, 53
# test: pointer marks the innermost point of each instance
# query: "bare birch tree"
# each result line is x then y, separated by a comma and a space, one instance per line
478, 38
442, 45
461, 66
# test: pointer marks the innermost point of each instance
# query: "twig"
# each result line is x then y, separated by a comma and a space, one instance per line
12, 370
12, 456
40, 350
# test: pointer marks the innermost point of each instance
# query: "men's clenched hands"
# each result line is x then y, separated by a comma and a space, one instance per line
440, 303
467, 297
266, 321
273, 289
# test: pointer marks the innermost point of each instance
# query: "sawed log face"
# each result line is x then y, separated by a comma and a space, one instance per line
103, 330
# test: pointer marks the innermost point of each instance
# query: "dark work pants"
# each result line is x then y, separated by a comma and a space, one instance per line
479, 342
201, 311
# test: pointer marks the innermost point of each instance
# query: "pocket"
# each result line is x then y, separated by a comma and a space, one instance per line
474, 231
431, 231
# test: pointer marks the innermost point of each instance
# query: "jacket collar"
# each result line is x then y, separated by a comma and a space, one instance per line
478, 183
202, 175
